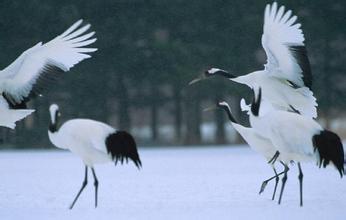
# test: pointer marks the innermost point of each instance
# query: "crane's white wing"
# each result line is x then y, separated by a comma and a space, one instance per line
283, 42
8, 117
292, 133
40, 65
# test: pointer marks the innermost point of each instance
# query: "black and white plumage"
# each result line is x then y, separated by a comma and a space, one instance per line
94, 142
286, 79
39, 66
297, 138
258, 143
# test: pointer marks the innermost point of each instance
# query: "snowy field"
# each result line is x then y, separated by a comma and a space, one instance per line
175, 183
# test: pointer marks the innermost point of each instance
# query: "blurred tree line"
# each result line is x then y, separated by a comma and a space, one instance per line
148, 52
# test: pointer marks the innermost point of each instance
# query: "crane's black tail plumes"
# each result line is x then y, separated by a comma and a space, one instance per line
121, 145
329, 147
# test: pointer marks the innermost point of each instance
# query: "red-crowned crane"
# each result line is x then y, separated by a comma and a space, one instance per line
94, 142
297, 138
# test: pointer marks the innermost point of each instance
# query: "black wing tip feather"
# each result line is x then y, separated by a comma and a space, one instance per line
122, 146
300, 53
13, 104
330, 149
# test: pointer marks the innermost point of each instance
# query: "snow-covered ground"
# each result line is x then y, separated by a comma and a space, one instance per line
175, 183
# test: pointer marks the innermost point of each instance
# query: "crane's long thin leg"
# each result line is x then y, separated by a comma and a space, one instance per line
96, 184
300, 177
284, 179
85, 182
273, 159
265, 182
276, 183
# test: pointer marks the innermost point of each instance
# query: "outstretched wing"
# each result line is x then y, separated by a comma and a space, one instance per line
283, 42
9, 117
40, 65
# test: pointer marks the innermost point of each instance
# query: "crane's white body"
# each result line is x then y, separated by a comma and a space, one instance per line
256, 142
18, 80
94, 142
290, 133
85, 138
297, 138
280, 94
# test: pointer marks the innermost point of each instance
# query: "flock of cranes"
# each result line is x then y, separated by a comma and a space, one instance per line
282, 113
283, 108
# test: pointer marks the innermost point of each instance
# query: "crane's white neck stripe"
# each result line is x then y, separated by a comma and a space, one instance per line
54, 114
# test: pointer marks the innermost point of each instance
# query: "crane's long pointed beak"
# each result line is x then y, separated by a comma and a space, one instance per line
200, 78
211, 108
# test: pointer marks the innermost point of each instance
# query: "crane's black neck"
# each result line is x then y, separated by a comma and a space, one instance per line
229, 114
53, 126
255, 106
